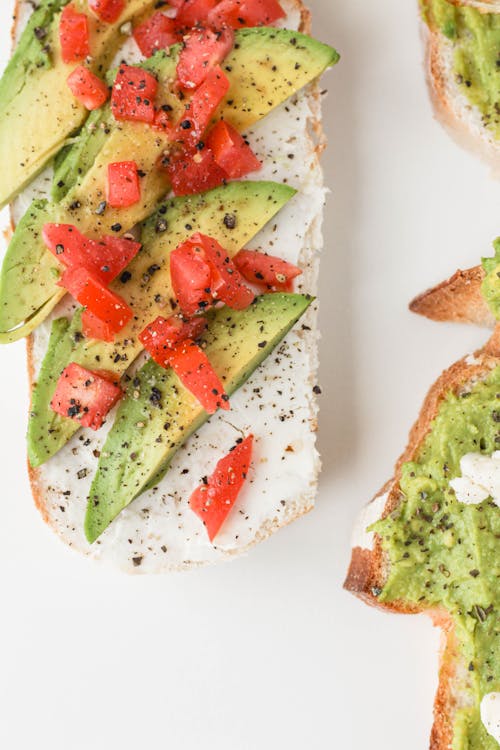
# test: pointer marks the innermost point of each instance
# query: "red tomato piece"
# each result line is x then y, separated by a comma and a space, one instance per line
191, 12
90, 90
105, 258
190, 174
95, 328
90, 292
203, 49
238, 14
107, 10
202, 107
213, 501
231, 152
266, 270
157, 32
133, 94
123, 184
191, 278
85, 395
195, 372
164, 333
74, 35
227, 282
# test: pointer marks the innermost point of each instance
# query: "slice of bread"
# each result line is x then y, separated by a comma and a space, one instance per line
158, 532
453, 109
370, 567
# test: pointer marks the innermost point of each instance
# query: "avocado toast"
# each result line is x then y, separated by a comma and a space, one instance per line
429, 541
158, 531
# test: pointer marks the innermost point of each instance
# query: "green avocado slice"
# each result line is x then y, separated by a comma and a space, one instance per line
236, 342
232, 214
265, 67
33, 89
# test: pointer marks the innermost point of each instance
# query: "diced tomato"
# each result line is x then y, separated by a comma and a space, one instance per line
242, 13
90, 90
105, 258
95, 328
90, 292
163, 121
191, 278
266, 270
74, 35
202, 107
195, 372
203, 50
191, 174
191, 12
107, 10
231, 152
227, 283
157, 32
213, 501
123, 184
164, 333
85, 395
133, 95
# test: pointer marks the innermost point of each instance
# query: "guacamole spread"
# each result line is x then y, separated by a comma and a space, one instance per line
446, 554
476, 40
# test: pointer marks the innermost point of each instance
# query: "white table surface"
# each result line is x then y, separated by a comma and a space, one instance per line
268, 651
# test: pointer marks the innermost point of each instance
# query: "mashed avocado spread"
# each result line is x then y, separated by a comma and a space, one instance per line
446, 554
476, 40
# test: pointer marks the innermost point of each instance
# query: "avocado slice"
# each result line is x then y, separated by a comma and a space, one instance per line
33, 88
265, 67
236, 342
232, 214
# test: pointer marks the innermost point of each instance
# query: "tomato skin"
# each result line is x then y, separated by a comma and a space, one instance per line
157, 32
96, 297
133, 94
231, 152
238, 14
85, 395
191, 174
95, 328
74, 35
123, 184
203, 50
202, 107
191, 278
266, 270
90, 90
212, 502
105, 258
191, 12
107, 10
163, 333
193, 368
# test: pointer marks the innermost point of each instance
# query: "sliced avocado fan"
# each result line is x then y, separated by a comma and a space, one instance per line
232, 214
236, 342
265, 67
38, 110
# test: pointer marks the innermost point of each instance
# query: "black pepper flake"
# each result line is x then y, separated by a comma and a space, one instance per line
317, 390
161, 226
40, 32
262, 344
125, 276
82, 473
116, 227
474, 573
230, 221
137, 561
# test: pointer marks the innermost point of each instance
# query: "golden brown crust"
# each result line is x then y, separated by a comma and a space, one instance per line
368, 569
456, 300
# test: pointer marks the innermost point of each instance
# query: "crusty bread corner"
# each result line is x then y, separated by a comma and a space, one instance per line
303, 504
369, 567
456, 300
452, 109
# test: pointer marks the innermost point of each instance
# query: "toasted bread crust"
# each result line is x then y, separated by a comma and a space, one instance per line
456, 300
368, 568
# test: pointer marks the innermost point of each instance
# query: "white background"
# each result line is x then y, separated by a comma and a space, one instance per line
268, 651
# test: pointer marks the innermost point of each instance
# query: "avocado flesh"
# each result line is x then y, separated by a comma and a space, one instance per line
38, 110
298, 59
236, 342
252, 204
